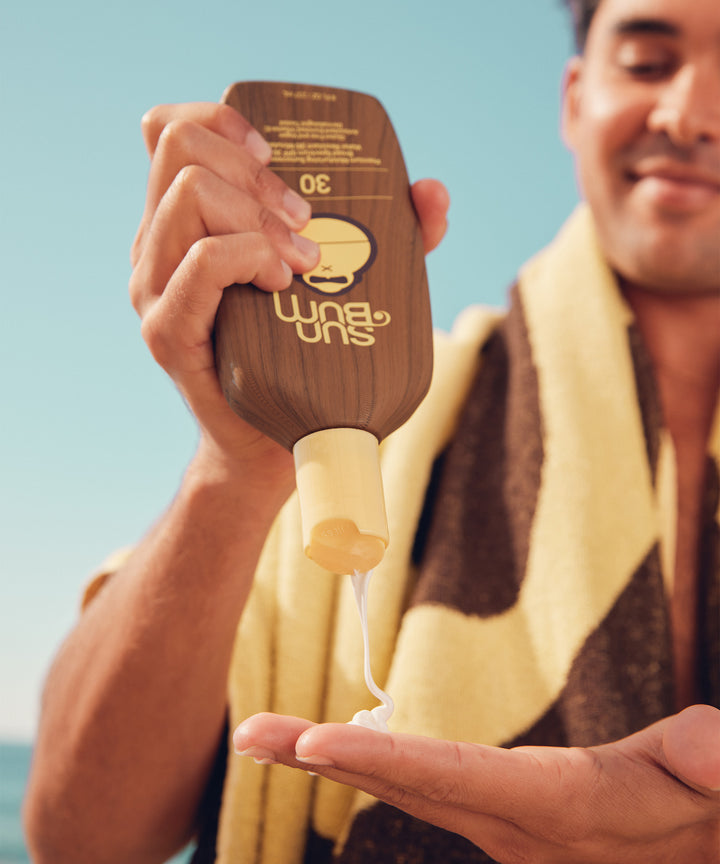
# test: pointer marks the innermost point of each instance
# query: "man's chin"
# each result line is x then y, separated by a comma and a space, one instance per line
668, 259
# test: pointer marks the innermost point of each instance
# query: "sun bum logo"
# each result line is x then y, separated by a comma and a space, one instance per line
352, 323
347, 250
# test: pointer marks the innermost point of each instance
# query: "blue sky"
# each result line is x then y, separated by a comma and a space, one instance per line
94, 439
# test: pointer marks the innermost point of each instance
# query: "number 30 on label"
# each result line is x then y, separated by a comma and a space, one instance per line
315, 184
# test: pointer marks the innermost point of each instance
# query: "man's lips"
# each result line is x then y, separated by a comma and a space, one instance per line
677, 187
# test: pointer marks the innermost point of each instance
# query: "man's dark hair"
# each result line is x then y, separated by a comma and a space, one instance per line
582, 13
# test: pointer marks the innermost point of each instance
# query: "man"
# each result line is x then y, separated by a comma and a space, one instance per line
587, 616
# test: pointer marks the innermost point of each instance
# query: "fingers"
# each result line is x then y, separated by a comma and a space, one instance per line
270, 738
691, 745
214, 215
222, 119
184, 142
496, 781
199, 204
270, 734
221, 147
431, 202
471, 780
205, 186
177, 325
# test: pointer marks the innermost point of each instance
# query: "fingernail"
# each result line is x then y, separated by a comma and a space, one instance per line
258, 146
306, 247
315, 759
259, 754
297, 208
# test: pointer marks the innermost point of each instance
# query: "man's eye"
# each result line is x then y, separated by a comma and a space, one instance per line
648, 70
640, 62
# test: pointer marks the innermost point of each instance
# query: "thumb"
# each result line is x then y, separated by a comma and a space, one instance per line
691, 744
431, 202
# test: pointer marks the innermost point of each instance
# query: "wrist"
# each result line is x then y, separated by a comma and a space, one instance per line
256, 485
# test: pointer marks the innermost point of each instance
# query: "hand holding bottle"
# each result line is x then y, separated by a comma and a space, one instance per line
215, 215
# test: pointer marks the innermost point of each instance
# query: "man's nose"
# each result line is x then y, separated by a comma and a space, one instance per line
688, 110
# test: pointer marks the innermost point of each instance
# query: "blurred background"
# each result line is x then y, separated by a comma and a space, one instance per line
93, 438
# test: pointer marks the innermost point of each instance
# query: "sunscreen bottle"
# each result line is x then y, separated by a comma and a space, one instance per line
335, 363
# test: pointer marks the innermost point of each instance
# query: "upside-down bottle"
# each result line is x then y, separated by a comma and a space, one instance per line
332, 365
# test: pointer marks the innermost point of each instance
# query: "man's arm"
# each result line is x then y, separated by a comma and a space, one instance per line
151, 653
155, 644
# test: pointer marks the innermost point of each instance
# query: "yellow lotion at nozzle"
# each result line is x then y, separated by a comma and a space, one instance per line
341, 499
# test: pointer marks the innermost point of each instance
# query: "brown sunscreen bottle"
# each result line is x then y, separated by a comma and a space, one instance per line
331, 366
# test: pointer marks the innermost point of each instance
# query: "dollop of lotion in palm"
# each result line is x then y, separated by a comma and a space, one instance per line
378, 717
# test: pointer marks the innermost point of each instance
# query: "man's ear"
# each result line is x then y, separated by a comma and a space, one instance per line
571, 97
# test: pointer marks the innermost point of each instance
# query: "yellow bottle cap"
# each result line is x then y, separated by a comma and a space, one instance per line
341, 499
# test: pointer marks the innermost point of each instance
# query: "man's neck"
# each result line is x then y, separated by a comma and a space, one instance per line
682, 336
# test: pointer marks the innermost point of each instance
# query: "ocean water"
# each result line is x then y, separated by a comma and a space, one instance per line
14, 767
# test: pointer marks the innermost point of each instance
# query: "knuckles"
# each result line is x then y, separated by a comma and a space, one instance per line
137, 246
135, 290
151, 126
202, 259
189, 184
224, 119
270, 225
175, 140
156, 337
262, 183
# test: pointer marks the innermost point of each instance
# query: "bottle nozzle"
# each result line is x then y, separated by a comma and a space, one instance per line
341, 499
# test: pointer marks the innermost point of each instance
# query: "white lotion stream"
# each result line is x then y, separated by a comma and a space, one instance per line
377, 718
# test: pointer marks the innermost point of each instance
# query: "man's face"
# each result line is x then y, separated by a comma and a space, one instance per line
642, 115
